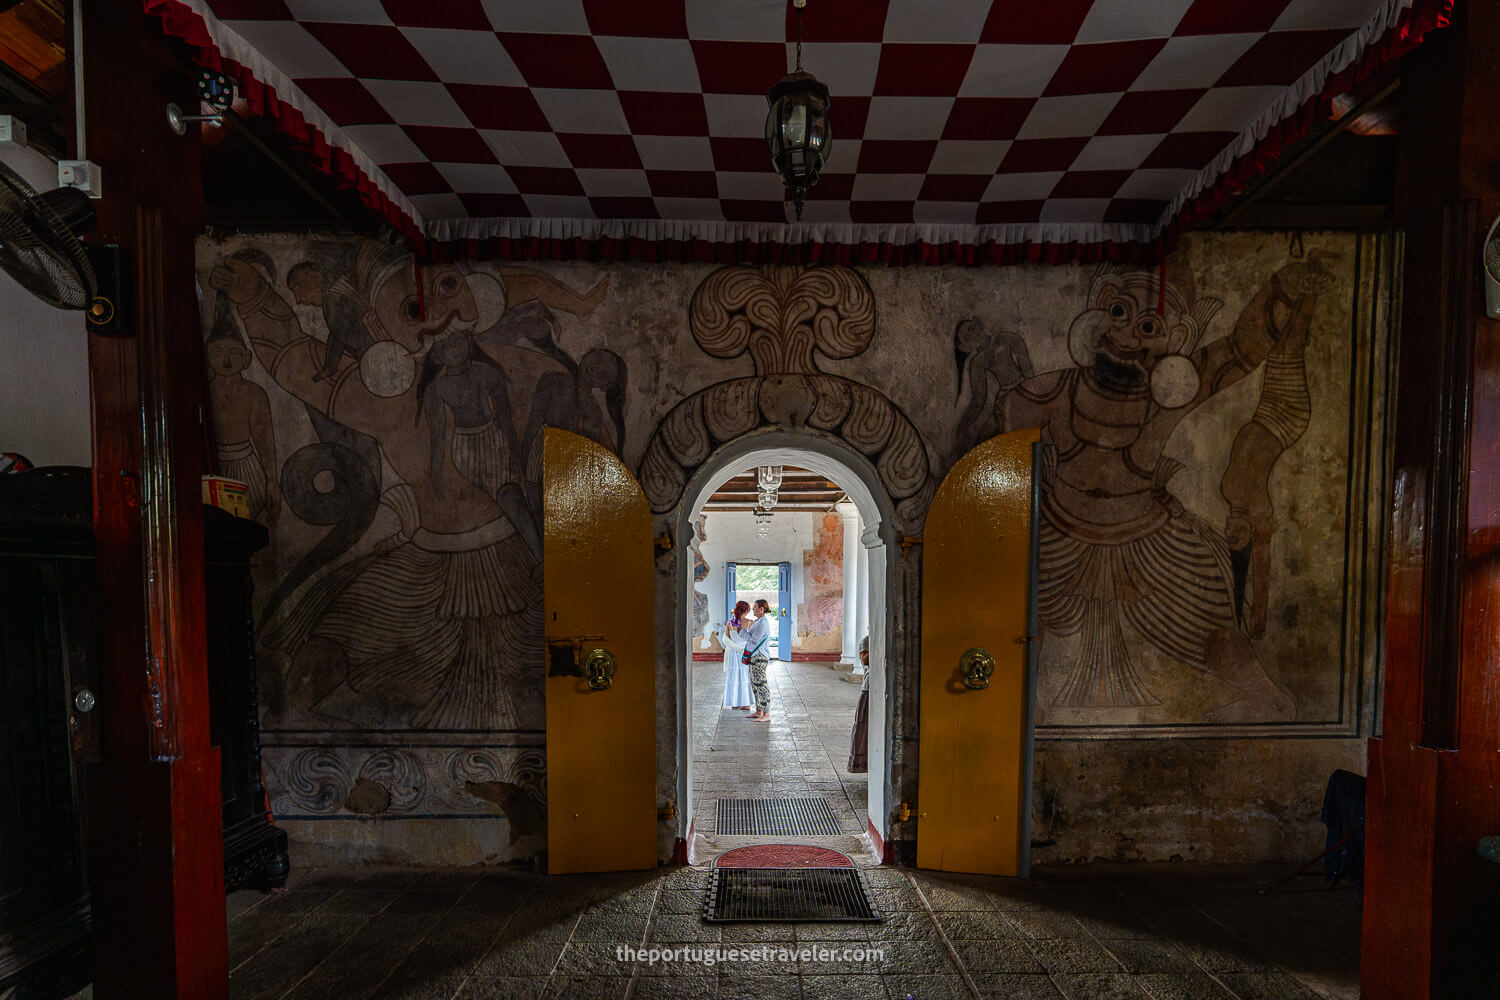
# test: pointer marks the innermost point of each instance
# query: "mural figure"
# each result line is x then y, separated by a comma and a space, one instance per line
460, 380
1118, 550
822, 610
1280, 419
243, 433
439, 627
566, 400
343, 312
784, 318
701, 623
994, 364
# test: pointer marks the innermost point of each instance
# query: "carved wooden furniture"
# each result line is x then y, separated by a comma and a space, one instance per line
46, 641
51, 711
254, 850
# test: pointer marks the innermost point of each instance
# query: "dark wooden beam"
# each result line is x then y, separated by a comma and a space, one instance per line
1310, 149
1430, 920
156, 861
1284, 216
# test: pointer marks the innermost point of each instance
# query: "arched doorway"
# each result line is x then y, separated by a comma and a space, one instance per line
854, 473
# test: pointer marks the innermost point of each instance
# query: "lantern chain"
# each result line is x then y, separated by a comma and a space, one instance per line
799, 4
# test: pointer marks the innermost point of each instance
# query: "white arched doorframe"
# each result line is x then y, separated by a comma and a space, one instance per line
859, 479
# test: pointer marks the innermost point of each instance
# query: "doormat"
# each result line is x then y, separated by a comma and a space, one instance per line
782, 856
782, 895
775, 818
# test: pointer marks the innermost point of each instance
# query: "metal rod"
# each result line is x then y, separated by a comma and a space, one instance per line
80, 133
1281, 172
236, 122
1282, 881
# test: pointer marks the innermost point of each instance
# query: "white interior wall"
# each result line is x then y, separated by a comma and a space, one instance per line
44, 405
734, 536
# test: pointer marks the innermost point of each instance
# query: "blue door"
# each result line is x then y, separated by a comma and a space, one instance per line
784, 611
731, 590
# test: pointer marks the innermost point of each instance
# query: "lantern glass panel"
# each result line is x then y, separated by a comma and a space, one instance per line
796, 125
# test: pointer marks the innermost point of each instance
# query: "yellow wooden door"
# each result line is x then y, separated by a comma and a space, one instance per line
974, 753
599, 587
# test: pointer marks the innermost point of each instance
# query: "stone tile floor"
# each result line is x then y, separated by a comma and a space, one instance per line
1146, 932
803, 752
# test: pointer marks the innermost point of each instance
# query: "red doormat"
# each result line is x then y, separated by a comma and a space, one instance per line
782, 856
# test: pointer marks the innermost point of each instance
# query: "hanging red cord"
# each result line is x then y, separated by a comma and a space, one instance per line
1161, 289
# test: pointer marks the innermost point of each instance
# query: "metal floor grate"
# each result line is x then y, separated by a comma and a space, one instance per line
768, 895
775, 818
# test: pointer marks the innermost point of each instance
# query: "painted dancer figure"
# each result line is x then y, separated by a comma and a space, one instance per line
244, 437
1280, 420
1118, 551
756, 640
441, 624
736, 672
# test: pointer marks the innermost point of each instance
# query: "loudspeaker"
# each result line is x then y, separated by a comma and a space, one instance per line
109, 312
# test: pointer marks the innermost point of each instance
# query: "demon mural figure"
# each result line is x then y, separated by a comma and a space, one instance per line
439, 626
1120, 555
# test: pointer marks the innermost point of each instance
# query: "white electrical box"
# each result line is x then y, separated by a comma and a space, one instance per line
12, 130
81, 174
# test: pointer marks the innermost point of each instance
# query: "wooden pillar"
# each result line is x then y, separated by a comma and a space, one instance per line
1430, 900
156, 857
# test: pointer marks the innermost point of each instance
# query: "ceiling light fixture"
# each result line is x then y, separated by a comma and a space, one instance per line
797, 125
768, 483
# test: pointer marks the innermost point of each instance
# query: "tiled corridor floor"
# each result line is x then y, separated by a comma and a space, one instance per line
1094, 932
1144, 932
803, 752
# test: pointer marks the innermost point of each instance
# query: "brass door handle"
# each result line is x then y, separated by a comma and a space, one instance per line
565, 654
599, 669
976, 666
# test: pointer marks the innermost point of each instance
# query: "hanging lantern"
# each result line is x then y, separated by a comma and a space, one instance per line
797, 126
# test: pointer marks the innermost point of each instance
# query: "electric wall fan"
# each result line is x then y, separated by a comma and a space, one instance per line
1490, 262
40, 248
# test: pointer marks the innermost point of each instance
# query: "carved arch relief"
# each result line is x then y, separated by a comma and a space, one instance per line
784, 318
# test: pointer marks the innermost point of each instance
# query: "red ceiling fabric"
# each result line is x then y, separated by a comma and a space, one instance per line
180, 21
969, 132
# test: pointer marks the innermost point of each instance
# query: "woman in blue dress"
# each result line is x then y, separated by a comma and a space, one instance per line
736, 673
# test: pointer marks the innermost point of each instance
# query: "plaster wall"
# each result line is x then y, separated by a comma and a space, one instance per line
44, 409
1213, 483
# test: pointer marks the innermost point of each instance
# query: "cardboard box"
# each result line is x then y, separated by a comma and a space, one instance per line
227, 494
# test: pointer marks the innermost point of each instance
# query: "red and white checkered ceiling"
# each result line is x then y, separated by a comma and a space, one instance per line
955, 121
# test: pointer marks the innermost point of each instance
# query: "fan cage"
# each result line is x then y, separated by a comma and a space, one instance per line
39, 250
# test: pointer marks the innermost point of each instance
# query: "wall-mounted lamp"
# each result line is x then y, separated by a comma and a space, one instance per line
214, 90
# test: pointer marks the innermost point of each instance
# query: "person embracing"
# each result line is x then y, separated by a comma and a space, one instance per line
736, 671
757, 638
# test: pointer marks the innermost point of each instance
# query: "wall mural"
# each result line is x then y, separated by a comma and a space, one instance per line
427, 403
820, 618
440, 624
699, 617
1124, 564
1196, 425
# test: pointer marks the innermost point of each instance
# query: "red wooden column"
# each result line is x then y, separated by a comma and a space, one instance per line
1430, 909
156, 856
